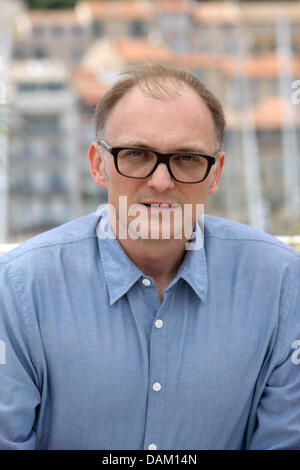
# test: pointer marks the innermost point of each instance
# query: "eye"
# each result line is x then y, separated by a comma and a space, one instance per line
136, 153
186, 158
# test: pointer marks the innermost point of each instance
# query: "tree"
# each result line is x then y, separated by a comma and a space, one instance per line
50, 4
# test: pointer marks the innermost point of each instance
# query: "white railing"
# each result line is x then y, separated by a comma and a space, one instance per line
4, 247
292, 240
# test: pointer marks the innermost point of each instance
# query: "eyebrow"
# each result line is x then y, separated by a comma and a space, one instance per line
181, 149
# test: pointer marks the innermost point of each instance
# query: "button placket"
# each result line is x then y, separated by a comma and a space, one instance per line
158, 363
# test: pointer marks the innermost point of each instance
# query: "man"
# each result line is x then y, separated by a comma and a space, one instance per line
120, 330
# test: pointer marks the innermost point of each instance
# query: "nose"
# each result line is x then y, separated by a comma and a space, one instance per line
161, 179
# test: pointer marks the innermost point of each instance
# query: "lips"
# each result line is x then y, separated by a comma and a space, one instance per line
159, 204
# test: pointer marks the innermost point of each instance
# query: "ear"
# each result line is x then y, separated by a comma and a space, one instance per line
97, 165
214, 184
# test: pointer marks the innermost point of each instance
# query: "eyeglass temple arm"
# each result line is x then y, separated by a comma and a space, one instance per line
105, 145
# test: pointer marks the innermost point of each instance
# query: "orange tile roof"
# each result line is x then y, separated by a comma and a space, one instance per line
216, 12
203, 12
117, 53
192, 60
89, 89
53, 17
135, 50
245, 12
121, 10
271, 113
268, 12
267, 65
173, 6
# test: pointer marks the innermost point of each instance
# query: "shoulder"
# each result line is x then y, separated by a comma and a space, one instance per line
44, 246
229, 230
242, 240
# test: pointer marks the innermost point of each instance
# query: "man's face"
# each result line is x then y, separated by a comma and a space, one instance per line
179, 123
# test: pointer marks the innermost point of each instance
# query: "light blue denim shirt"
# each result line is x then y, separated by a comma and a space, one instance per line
91, 359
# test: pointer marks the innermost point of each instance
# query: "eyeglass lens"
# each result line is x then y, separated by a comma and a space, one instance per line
186, 167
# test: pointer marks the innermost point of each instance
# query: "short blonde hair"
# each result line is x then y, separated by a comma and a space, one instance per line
161, 81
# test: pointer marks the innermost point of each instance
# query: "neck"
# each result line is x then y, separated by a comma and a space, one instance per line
159, 259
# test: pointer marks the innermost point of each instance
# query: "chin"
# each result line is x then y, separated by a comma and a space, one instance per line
156, 232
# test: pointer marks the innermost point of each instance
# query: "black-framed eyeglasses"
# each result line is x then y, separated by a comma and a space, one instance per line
139, 163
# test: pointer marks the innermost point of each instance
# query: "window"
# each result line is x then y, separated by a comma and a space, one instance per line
98, 29
19, 52
137, 29
27, 152
39, 52
76, 30
42, 125
57, 30
38, 31
56, 152
56, 182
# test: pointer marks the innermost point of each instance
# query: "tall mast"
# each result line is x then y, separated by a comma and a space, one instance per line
5, 56
288, 129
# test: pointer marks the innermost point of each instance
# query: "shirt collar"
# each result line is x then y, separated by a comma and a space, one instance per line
121, 273
194, 268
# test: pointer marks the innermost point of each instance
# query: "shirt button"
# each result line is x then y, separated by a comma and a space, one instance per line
146, 282
152, 447
156, 387
159, 323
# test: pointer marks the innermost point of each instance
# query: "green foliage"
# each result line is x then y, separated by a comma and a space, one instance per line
3, 120
50, 4
296, 227
10, 122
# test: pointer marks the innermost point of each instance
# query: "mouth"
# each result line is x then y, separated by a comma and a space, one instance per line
160, 204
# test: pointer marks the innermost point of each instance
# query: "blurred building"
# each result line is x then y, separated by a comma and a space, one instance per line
117, 19
88, 90
9, 11
52, 34
44, 161
247, 53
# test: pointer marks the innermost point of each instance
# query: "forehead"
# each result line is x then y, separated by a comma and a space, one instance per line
165, 120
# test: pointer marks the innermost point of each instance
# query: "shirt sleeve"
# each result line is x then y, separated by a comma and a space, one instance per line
277, 415
19, 390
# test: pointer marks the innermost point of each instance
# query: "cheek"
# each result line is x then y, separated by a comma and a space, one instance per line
196, 194
119, 185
